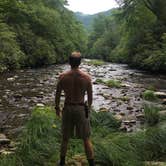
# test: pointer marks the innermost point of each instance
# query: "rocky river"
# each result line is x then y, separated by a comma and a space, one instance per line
21, 90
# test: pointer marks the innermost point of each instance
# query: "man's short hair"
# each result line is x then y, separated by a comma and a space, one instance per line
75, 59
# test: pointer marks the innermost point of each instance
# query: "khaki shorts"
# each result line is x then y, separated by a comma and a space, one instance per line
74, 122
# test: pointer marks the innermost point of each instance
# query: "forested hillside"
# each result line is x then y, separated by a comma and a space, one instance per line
87, 19
37, 33
134, 34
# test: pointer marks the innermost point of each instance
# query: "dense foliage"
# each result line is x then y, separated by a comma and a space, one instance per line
36, 33
135, 33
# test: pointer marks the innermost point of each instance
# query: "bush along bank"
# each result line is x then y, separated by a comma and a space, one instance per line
40, 141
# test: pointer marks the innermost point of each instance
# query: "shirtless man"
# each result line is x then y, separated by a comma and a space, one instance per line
75, 84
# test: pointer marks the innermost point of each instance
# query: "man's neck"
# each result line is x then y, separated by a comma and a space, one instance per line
74, 68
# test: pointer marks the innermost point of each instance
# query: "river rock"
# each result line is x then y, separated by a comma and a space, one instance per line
106, 96
2, 136
4, 140
162, 113
17, 96
123, 128
11, 79
124, 85
140, 116
40, 105
6, 152
164, 101
103, 110
118, 117
130, 108
161, 95
122, 113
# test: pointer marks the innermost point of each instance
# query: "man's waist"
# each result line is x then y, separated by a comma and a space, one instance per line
74, 104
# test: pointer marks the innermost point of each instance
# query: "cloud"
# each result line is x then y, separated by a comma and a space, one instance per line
91, 6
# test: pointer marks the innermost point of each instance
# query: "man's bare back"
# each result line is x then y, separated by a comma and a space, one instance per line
75, 83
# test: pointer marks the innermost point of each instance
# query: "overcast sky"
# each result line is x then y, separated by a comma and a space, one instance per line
91, 6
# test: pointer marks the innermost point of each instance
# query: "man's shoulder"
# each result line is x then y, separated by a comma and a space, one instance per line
86, 75
63, 74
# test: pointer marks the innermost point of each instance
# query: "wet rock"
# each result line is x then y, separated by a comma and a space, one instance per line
103, 110
162, 113
40, 105
6, 152
4, 140
125, 85
163, 102
2, 136
17, 96
140, 117
130, 108
133, 121
123, 128
126, 122
118, 117
106, 96
129, 130
122, 113
161, 95
11, 79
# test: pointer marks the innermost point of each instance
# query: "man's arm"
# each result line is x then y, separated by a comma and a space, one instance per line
89, 93
57, 97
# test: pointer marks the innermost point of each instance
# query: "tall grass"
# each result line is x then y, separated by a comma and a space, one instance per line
40, 141
151, 115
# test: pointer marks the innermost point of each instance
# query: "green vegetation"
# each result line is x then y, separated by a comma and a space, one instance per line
40, 140
151, 115
113, 83
149, 95
37, 33
96, 62
135, 34
110, 83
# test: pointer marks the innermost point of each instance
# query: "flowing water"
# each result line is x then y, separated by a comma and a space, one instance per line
21, 90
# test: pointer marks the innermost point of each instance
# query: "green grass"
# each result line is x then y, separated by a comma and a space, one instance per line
110, 83
113, 83
149, 95
96, 62
151, 115
40, 141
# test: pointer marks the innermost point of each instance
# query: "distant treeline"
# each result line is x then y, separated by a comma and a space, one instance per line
135, 33
34, 33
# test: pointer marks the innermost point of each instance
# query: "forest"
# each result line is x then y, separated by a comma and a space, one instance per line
123, 50
37, 33
135, 34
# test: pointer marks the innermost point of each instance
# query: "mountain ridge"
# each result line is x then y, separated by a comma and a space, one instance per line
87, 19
